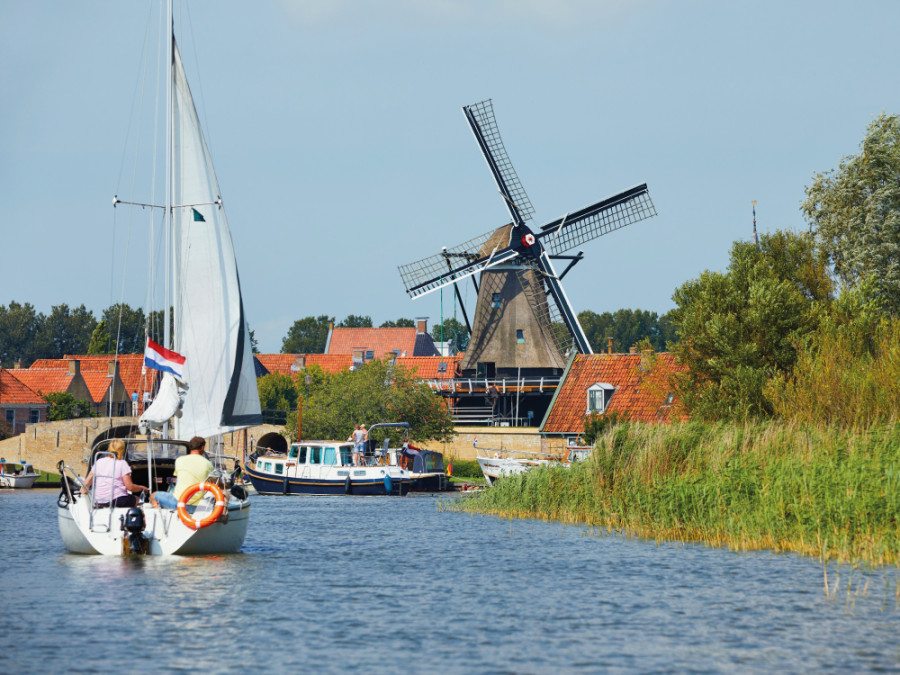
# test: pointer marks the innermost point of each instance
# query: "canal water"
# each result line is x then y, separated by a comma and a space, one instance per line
386, 585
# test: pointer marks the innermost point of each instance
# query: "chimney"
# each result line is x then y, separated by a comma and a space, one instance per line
74, 367
299, 364
632, 349
646, 359
421, 325
17, 365
609, 345
112, 368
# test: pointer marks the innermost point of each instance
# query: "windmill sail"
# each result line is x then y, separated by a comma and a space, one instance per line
211, 330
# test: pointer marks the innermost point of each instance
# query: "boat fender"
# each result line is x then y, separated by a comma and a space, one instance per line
388, 485
348, 486
197, 523
239, 492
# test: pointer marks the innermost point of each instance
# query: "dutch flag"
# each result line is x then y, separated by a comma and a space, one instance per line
159, 358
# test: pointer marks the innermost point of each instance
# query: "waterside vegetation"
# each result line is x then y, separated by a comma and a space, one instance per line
818, 491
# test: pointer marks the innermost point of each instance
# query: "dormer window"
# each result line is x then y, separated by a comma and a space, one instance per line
520, 336
598, 397
495, 301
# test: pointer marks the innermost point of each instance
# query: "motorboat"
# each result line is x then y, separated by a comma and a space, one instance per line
323, 468
502, 463
17, 475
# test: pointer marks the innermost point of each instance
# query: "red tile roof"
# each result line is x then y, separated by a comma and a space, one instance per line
381, 341
43, 380
640, 394
429, 367
281, 363
13, 390
130, 370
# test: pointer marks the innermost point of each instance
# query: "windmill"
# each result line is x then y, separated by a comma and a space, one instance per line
523, 318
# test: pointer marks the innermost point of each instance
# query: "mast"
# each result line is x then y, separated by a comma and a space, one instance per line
168, 220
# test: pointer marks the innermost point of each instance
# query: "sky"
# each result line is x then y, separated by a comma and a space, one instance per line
341, 150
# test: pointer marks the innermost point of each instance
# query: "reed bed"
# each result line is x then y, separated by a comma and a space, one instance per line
824, 492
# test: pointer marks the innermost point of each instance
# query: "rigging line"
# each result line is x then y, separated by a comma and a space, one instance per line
198, 79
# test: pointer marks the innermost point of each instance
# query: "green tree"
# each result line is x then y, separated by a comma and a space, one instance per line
64, 406
100, 340
65, 331
854, 212
626, 327
254, 345
740, 328
6, 431
452, 330
354, 321
19, 326
307, 335
277, 392
126, 328
377, 392
399, 323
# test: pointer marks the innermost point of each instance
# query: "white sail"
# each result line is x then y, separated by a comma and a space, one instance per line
165, 405
210, 329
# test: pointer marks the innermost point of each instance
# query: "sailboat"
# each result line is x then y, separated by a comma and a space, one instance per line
215, 391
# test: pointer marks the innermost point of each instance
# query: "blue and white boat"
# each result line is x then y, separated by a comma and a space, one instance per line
324, 468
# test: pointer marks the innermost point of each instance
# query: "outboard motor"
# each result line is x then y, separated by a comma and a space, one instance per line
133, 523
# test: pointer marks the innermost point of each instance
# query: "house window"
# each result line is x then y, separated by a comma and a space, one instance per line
598, 397
11, 418
670, 398
442, 367
35, 416
358, 356
495, 301
520, 336
370, 354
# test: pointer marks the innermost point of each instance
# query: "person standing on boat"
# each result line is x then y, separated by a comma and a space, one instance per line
113, 478
359, 438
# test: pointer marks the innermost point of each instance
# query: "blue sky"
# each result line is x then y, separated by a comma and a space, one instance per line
341, 150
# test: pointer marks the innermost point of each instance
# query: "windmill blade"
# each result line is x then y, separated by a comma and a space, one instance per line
480, 117
460, 262
614, 213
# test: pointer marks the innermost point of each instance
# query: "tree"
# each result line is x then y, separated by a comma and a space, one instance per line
740, 328
64, 406
399, 323
626, 327
19, 326
307, 335
126, 327
354, 321
6, 431
100, 340
452, 330
277, 392
254, 345
65, 331
855, 212
376, 392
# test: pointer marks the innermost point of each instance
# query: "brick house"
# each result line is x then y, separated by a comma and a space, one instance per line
635, 386
19, 404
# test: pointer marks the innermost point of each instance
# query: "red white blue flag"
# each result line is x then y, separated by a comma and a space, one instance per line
159, 358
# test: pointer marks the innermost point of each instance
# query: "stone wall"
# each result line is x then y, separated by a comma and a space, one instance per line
45, 444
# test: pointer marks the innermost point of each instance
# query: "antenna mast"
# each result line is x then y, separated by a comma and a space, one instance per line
755, 236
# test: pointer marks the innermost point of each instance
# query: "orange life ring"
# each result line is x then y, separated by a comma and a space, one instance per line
196, 523
403, 462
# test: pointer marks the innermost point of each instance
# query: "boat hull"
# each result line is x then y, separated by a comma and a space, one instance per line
498, 467
18, 482
369, 485
165, 534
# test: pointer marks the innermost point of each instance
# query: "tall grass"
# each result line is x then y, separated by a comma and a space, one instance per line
818, 491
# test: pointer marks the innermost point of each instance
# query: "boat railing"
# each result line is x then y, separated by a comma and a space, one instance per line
62, 467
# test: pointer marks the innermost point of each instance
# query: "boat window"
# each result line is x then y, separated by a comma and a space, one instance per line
429, 462
346, 455
292, 453
302, 458
330, 456
315, 454
279, 468
268, 466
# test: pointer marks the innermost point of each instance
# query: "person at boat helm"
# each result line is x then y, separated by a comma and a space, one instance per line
359, 438
113, 478
190, 469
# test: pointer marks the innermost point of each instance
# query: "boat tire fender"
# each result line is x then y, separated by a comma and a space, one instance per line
348, 486
198, 523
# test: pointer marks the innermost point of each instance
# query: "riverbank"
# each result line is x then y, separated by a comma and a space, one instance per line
823, 492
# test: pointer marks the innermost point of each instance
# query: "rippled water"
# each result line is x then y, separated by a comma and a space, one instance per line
355, 584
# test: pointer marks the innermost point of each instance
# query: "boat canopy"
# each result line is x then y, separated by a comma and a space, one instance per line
423, 461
